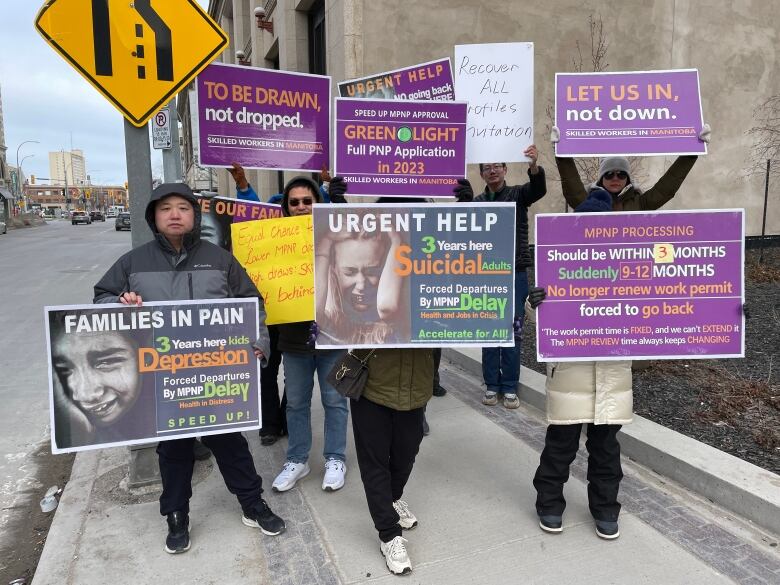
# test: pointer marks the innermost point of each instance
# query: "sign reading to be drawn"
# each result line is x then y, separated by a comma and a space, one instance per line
497, 80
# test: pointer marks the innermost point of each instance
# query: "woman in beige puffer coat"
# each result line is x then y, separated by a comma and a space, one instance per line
595, 393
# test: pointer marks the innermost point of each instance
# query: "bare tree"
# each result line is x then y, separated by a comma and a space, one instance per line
594, 61
766, 137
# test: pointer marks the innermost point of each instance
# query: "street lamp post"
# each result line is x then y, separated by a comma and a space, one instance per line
19, 171
18, 180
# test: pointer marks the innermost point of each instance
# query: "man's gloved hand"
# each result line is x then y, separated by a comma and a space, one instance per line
337, 189
517, 326
705, 134
463, 192
314, 331
536, 295
555, 135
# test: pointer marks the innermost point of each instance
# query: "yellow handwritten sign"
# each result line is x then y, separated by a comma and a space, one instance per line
278, 254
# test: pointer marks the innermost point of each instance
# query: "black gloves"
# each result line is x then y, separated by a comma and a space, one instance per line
336, 190
536, 295
314, 331
463, 192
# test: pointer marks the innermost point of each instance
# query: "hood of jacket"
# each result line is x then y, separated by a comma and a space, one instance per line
299, 181
167, 190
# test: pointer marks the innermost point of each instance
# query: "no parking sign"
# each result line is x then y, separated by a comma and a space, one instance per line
161, 130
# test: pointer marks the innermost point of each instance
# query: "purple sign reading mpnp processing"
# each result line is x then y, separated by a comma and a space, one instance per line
263, 119
426, 81
639, 285
630, 114
400, 148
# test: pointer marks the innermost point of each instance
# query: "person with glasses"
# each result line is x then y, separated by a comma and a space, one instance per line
302, 362
615, 177
501, 365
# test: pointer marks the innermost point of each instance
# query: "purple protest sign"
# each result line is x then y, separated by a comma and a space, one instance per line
426, 81
400, 148
262, 119
638, 285
631, 114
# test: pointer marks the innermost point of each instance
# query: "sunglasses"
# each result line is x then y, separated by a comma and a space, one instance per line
296, 202
612, 174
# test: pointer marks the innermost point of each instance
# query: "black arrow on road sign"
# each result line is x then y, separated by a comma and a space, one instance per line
162, 39
101, 34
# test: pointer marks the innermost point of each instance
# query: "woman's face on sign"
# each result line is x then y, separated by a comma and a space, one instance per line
358, 265
99, 373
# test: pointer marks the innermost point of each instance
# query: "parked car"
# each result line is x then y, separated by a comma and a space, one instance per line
97, 216
122, 221
80, 217
3, 225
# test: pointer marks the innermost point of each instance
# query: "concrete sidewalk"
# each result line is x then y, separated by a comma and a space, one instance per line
471, 491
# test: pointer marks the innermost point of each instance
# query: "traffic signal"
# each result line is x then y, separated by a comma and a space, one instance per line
32, 179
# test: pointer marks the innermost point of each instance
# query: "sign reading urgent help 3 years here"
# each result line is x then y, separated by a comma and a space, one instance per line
414, 275
641, 285
263, 119
638, 113
400, 148
123, 375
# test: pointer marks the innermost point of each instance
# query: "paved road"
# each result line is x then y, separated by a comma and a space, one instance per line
54, 264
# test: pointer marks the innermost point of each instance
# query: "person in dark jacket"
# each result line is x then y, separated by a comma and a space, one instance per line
301, 363
501, 365
178, 265
615, 178
273, 410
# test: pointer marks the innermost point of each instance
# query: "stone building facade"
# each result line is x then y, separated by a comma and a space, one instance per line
732, 44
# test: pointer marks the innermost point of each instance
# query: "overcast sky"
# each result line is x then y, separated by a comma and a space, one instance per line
45, 99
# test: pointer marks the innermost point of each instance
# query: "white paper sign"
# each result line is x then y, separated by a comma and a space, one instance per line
161, 130
497, 80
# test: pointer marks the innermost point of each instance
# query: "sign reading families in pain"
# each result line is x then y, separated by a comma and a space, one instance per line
411, 275
639, 285
426, 81
138, 54
497, 81
628, 114
263, 119
124, 375
400, 148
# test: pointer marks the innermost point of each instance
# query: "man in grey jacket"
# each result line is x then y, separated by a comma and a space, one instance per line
178, 265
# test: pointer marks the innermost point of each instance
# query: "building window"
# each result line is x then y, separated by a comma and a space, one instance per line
317, 61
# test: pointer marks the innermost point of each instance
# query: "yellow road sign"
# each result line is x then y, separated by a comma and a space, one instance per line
137, 53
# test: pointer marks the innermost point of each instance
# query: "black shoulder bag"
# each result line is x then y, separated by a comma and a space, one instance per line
350, 374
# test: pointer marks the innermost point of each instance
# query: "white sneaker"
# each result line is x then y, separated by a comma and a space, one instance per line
335, 470
289, 476
406, 519
396, 557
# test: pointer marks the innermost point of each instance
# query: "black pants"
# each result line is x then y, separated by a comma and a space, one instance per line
604, 471
436, 362
386, 442
274, 417
235, 462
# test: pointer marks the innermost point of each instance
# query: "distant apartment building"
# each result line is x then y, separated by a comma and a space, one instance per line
68, 166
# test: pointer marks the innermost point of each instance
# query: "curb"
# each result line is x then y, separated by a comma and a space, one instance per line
738, 486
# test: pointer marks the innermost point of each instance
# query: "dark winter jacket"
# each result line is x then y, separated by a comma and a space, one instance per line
202, 270
401, 379
631, 199
523, 196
